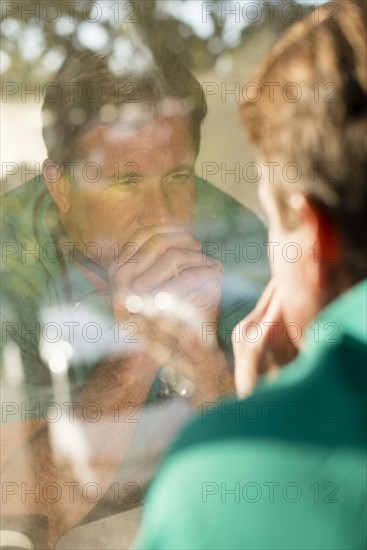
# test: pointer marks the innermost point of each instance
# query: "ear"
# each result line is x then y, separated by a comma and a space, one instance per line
325, 250
58, 184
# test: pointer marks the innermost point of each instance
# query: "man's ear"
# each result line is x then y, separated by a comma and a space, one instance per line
326, 248
58, 184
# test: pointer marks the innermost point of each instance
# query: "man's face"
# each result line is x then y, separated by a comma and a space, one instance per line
143, 177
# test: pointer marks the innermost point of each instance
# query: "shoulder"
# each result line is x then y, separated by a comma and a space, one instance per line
247, 473
236, 237
22, 208
25, 234
222, 210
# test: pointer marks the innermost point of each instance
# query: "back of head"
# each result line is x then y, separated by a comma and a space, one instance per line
317, 119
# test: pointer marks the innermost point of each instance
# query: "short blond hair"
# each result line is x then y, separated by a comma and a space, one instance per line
317, 118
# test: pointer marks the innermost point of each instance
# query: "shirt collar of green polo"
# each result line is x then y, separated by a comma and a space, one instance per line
345, 317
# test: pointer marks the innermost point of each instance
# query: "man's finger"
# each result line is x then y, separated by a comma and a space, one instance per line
168, 267
191, 280
265, 298
149, 253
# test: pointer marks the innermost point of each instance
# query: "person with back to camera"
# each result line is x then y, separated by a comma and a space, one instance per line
285, 467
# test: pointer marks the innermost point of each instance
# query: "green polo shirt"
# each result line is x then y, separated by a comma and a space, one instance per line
283, 469
45, 296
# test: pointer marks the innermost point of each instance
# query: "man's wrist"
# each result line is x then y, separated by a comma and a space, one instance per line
213, 374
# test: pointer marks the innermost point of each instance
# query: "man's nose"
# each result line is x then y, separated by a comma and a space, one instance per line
155, 208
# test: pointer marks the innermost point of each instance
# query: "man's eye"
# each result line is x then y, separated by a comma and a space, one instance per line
127, 181
182, 177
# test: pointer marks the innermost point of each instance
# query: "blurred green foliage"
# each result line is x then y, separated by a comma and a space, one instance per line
37, 35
